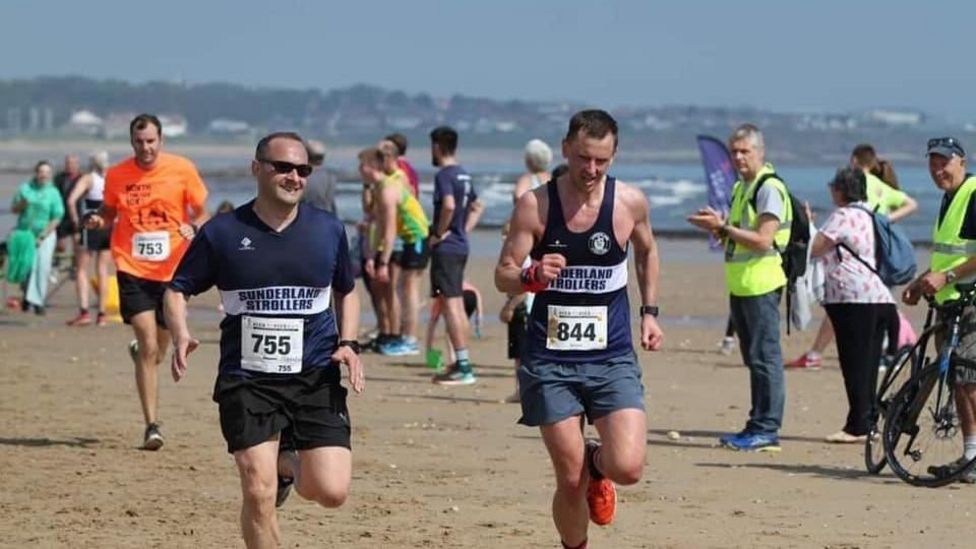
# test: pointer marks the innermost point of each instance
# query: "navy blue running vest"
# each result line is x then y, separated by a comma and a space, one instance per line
276, 288
584, 314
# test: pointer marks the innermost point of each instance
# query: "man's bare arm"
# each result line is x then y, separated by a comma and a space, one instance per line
387, 220
646, 260
523, 225
475, 209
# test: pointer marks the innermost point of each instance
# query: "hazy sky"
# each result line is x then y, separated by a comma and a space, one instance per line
782, 55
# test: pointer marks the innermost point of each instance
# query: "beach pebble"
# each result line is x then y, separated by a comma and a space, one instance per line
674, 435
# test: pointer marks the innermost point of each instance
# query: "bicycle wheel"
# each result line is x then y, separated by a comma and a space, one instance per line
896, 373
922, 438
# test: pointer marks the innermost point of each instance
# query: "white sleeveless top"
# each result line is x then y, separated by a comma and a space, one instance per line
97, 190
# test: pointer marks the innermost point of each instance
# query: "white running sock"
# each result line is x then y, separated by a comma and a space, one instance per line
969, 447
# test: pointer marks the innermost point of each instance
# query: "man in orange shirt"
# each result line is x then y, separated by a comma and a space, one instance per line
154, 202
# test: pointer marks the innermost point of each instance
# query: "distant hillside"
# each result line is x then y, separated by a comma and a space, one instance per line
73, 106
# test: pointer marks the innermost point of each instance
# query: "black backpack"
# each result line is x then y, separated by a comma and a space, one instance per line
795, 253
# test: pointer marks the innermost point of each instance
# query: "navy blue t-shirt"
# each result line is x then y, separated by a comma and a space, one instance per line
276, 288
453, 180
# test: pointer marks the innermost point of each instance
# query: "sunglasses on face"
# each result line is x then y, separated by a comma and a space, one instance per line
948, 142
284, 168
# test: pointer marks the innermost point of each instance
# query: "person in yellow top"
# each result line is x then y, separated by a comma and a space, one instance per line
757, 227
397, 213
884, 199
954, 260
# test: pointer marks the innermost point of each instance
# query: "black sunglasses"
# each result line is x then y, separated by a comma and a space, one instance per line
949, 142
284, 168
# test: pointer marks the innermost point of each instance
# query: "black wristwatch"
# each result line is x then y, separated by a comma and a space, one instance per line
649, 310
351, 343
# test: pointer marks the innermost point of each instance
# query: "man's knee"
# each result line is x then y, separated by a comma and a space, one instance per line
570, 476
624, 469
259, 490
326, 494
149, 352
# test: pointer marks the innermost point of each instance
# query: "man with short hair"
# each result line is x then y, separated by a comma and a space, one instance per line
398, 214
756, 230
456, 212
321, 188
153, 202
278, 265
953, 261
65, 181
578, 360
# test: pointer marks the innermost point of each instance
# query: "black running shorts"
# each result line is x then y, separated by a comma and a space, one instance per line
96, 240
414, 256
310, 404
137, 295
516, 331
447, 275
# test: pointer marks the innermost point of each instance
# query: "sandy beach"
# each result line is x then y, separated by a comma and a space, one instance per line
436, 466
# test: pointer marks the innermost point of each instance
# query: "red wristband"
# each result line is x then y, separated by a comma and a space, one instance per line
530, 280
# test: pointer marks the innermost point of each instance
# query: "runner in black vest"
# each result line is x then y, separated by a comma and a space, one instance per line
578, 359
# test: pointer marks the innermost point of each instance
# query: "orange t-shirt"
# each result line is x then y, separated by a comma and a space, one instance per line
151, 206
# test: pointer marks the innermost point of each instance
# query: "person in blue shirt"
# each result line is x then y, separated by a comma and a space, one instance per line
456, 211
278, 264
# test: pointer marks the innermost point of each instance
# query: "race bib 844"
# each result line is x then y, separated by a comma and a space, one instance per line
576, 328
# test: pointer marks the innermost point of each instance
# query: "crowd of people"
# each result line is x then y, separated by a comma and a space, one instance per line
861, 310
293, 318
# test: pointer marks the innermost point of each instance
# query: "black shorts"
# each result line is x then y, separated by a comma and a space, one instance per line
65, 228
138, 295
311, 405
96, 240
516, 331
470, 303
414, 256
447, 275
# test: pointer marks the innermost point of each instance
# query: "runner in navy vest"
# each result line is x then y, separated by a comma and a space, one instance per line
277, 263
578, 359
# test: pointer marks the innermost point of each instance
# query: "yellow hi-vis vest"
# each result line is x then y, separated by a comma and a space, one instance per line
949, 250
748, 272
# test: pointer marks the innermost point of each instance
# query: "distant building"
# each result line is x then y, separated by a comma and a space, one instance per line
174, 125
84, 122
226, 126
895, 118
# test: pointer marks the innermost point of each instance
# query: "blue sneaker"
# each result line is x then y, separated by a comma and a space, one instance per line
753, 442
393, 347
454, 376
724, 439
409, 347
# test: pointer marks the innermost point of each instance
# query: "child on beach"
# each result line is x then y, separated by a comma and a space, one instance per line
472, 308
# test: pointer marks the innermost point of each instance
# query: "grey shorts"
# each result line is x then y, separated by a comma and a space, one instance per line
552, 392
964, 356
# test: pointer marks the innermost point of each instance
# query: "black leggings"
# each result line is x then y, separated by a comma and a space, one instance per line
860, 330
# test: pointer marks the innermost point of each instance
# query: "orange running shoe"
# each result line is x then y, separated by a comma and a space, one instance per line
83, 319
601, 494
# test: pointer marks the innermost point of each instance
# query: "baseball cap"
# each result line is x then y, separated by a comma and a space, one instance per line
945, 146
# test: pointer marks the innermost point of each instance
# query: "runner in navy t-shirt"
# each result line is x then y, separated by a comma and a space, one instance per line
456, 211
578, 359
278, 264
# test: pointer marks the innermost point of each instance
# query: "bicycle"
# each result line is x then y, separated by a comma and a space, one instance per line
921, 436
898, 369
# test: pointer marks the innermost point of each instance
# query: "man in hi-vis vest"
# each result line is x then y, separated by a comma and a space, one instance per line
758, 226
954, 260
